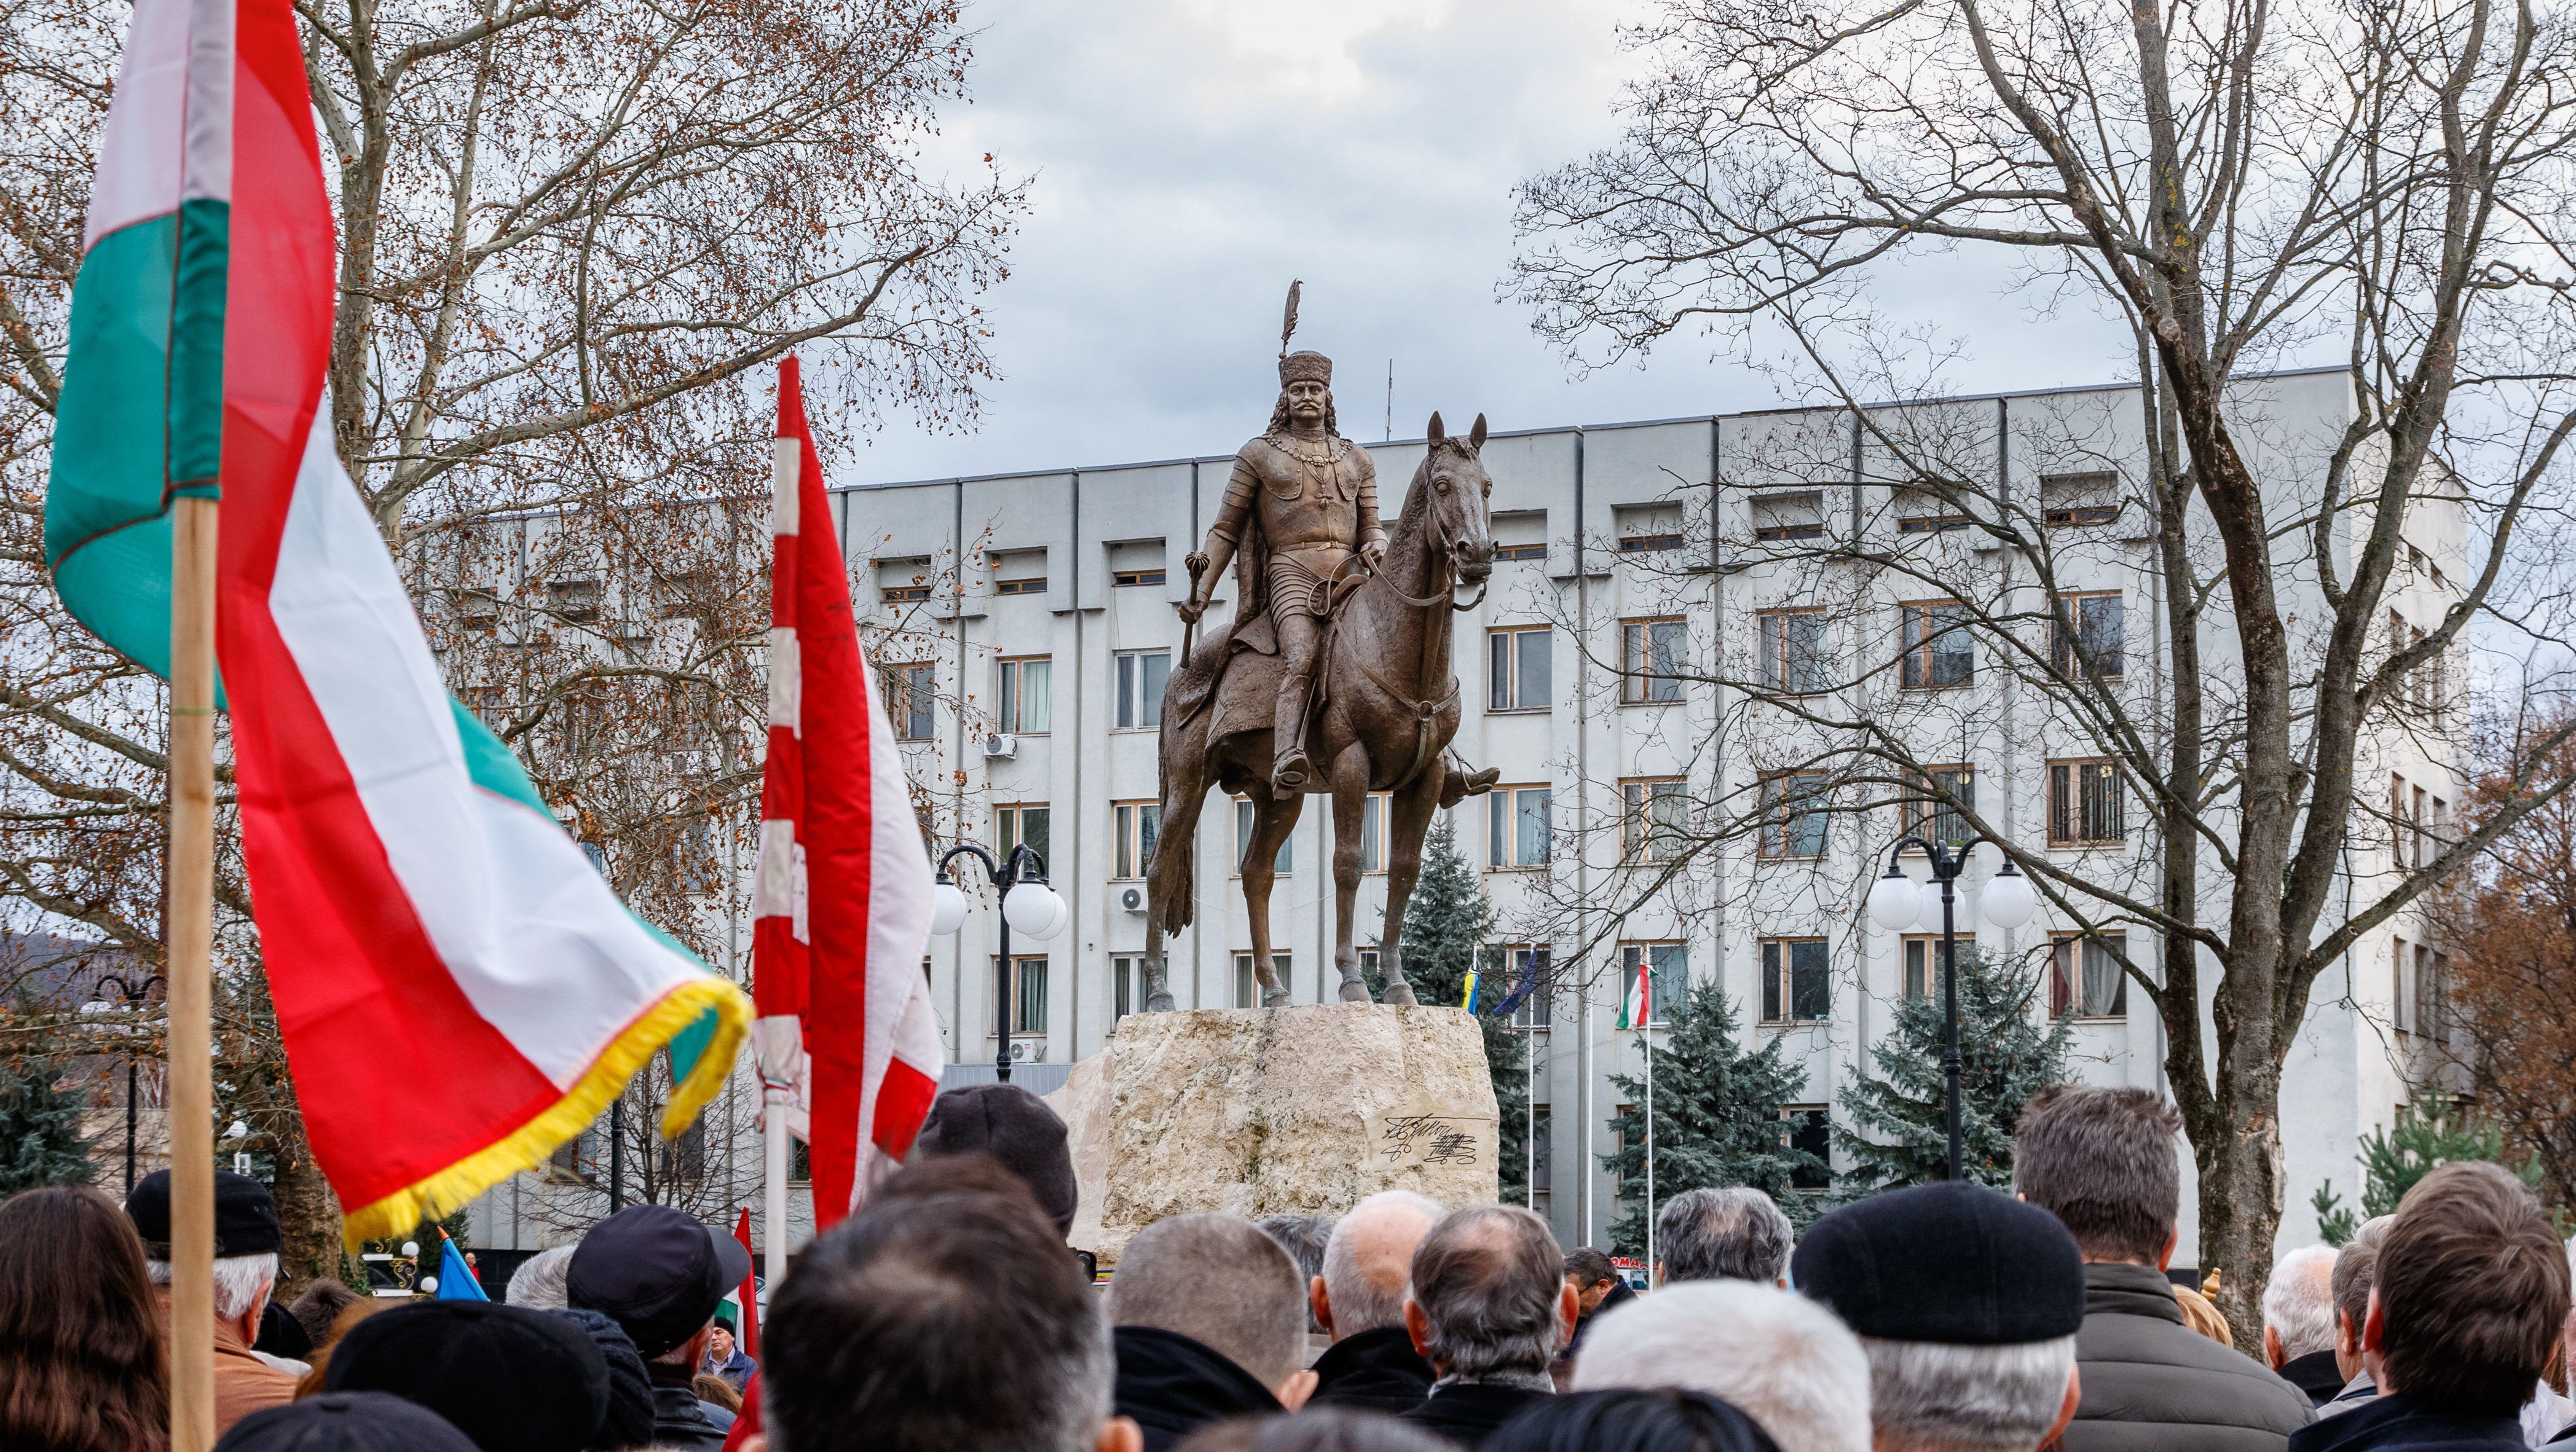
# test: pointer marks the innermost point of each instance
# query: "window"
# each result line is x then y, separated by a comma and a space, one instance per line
1793, 980
1939, 809
1795, 658
1129, 579
1243, 820
1656, 824
1141, 676
580, 1158
1639, 544
1136, 824
2427, 1005
1520, 552
684, 1160
1247, 987
903, 594
907, 698
1025, 697
1810, 1128
576, 601
1516, 827
1028, 993
1787, 518
1923, 961
2084, 976
2078, 501
1025, 585
1013, 826
2086, 807
476, 610
1126, 986
1793, 814
1651, 653
1373, 810
2396, 822
1922, 511
2437, 988
1938, 652
2086, 638
2415, 828
1505, 967
1518, 678
1667, 975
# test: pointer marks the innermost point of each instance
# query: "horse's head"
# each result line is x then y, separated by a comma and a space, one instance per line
1461, 521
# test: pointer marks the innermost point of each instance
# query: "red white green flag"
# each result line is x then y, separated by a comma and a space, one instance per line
1636, 1002
458, 989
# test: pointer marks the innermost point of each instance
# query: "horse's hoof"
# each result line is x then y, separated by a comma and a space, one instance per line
1275, 1000
1401, 995
1354, 991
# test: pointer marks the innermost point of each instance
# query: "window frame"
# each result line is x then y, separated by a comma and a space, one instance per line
1510, 552
1135, 579
1777, 789
2066, 652
1010, 697
1010, 828
1374, 810
2065, 781
1021, 585
1640, 833
1134, 825
1780, 998
1647, 544
1504, 963
1919, 812
2068, 955
1021, 1024
1919, 959
1503, 809
1774, 659
1639, 685
1131, 683
1510, 679
1818, 1118
1918, 638
1126, 986
1246, 818
1282, 962
908, 689
1663, 983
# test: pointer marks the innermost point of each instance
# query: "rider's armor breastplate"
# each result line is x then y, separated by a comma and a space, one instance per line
1305, 504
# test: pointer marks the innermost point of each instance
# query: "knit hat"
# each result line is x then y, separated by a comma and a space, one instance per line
1948, 1262
245, 1218
1016, 1128
344, 1422
512, 1379
629, 1422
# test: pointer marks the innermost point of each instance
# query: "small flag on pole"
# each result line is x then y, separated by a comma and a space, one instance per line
456, 1280
1636, 1005
1467, 1001
749, 1291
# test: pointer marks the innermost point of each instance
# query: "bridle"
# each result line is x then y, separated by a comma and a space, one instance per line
1418, 701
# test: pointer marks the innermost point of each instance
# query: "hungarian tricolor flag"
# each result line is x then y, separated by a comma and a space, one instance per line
458, 990
1636, 1001
841, 904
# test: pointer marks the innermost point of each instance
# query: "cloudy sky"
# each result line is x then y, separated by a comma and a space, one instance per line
1191, 156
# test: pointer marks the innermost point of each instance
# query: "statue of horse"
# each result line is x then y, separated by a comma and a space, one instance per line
1385, 711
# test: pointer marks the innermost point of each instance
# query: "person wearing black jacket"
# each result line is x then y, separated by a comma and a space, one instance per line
1359, 1301
1208, 1324
1489, 1308
2469, 1297
2299, 1323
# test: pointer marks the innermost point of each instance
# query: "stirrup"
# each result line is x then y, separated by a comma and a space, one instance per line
1290, 773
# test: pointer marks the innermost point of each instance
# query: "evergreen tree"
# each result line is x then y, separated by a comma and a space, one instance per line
40, 1130
2337, 1222
1899, 1132
2393, 1159
1717, 1118
1445, 926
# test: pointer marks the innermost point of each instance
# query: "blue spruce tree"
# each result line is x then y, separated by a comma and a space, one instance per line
1718, 1120
40, 1126
1445, 927
1899, 1134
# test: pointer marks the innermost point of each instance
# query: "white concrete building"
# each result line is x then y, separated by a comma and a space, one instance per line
1035, 684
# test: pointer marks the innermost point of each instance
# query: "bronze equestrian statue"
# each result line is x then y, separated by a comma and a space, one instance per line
1334, 678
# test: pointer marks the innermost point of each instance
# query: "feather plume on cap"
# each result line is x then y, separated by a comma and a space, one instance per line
1288, 323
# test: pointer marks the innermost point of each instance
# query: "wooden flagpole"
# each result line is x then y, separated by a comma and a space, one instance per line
191, 942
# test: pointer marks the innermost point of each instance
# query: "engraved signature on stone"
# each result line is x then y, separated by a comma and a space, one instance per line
1430, 1139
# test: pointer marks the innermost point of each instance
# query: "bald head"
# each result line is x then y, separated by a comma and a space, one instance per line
1219, 1281
1367, 1261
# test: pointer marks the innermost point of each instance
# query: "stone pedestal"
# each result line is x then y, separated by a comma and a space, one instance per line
1300, 1110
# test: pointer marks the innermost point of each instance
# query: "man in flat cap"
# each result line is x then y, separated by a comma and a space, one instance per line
1018, 1130
1966, 1302
246, 1245
659, 1273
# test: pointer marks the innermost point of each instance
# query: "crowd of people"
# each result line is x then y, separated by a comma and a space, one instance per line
950, 1314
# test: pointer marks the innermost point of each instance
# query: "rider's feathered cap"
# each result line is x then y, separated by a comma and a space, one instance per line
1306, 366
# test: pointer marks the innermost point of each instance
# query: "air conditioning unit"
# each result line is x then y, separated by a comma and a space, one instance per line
1019, 1051
998, 747
1132, 899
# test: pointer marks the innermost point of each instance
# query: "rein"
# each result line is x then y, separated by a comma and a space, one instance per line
1425, 710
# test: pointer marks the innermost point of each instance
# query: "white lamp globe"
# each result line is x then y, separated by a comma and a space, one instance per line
1894, 901
1033, 909
429, 1284
947, 908
1930, 921
411, 1248
1063, 913
2008, 900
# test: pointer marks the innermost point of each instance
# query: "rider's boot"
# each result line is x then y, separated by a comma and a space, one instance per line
1290, 769
1458, 783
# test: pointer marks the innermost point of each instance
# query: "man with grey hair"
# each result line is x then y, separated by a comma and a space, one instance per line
1358, 1298
1966, 1303
1488, 1307
1779, 1358
1734, 1234
2356, 1270
246, 1245
2299, 1322
538, 1283
1209, 1323
1303, 1237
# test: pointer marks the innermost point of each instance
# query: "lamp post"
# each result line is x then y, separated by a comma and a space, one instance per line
132, 993
1027, 904
1895, 903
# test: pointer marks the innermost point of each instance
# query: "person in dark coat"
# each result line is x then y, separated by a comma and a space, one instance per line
1489, 1309
2299, 1323
2469, 1298
1209, 1322
1598, 1287
660, 1273
2103, 1161
1359, 1301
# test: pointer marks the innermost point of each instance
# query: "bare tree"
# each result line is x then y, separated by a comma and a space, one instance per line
570, 235
2376, 183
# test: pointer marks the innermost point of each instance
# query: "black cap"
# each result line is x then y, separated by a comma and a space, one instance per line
1950, 1262
345, 1422
1015, 1127
511, 1379
656, 1271
245, 1218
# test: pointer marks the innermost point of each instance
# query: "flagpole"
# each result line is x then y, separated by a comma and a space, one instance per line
191, 944
1646, 1046
773, 1198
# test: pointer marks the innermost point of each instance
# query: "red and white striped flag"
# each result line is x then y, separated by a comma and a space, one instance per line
842, 899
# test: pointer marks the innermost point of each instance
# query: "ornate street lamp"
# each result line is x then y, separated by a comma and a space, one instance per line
1896, 903
132, 994
1028, 904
